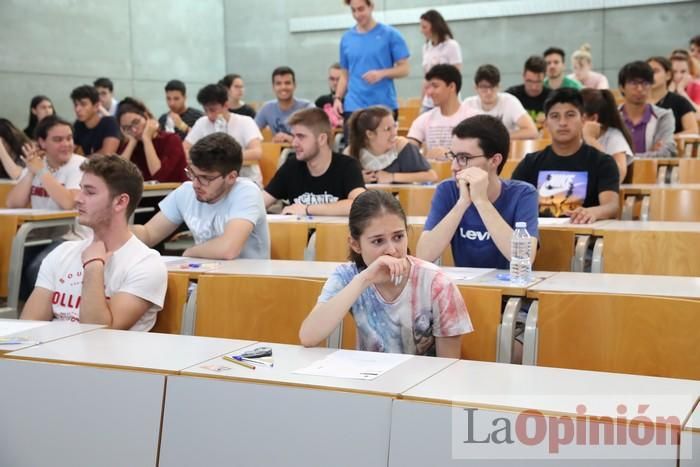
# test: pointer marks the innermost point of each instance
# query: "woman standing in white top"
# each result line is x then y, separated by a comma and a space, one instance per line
604, 129
440, 48
582, 63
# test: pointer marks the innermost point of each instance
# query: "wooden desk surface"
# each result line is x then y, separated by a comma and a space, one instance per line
159, 353
160, 186
289, 358
28, 215
646, 188
620, 284
521, 387
647, 226
47, 331
312, 221
254, 267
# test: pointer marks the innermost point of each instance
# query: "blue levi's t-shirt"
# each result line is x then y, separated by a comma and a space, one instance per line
472, 245
377, 49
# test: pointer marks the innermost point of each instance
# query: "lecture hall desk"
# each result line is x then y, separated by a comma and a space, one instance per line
46, 331
691, 437
624, 289
493, 390
15, 226
272, 416
105, 387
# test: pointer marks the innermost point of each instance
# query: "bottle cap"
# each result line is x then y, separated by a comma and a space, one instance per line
521, 225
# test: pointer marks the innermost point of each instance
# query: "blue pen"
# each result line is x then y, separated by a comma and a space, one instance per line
194, 265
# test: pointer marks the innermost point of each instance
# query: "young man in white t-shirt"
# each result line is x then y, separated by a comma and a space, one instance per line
214, 100
51, 180
112, 278
224, 212
433, 129
491, 101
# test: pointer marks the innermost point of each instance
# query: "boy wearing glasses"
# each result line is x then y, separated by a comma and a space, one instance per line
572, 179
476, 211
651, 127
224, 212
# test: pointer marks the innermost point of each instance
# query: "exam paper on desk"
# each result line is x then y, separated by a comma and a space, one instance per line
354, 364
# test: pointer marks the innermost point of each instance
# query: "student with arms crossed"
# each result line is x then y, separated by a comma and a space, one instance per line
476, 211
314, 180
385, 157
113, 278
224, 212
572, 178
400, 304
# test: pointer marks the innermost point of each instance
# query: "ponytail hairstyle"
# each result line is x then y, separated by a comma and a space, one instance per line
601, 102
134, 106
367, 206
360, 123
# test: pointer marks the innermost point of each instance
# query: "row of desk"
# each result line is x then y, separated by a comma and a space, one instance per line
88, 396
227, 292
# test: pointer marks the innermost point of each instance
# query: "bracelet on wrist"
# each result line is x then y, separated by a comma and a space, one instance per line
93, 260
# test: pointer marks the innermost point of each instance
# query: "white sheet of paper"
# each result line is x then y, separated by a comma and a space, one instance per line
461, 274
354, 364
284, 218
13, 326
553, 220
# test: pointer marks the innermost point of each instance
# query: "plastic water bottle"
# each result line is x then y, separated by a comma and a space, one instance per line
220, 124
520, 266
169, 125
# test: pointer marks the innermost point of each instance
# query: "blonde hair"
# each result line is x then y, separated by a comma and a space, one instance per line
583, 54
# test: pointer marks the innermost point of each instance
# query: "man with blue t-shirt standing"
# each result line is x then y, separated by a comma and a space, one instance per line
475, 212
372, 55
224, 212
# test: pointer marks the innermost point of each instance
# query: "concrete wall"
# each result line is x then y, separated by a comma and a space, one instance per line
51, 46
254, 47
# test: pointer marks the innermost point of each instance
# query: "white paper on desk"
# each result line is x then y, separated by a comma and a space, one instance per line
15, 326
553, 220
458, 275
282, 218
353, 364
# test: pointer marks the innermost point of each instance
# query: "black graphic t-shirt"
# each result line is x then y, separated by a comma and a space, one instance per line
565, 183
294, 183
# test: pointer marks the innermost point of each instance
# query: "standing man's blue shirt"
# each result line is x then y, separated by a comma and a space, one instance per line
472, 245
376, 49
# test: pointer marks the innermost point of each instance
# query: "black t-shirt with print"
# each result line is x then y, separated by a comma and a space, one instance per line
532, 104
565, 183
294, 183
90, 139
679, 105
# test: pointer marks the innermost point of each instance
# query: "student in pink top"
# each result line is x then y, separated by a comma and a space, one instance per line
400, 304
582, 63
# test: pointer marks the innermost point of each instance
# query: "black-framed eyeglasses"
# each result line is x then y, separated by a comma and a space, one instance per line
129, 128
462, 158
201, 179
